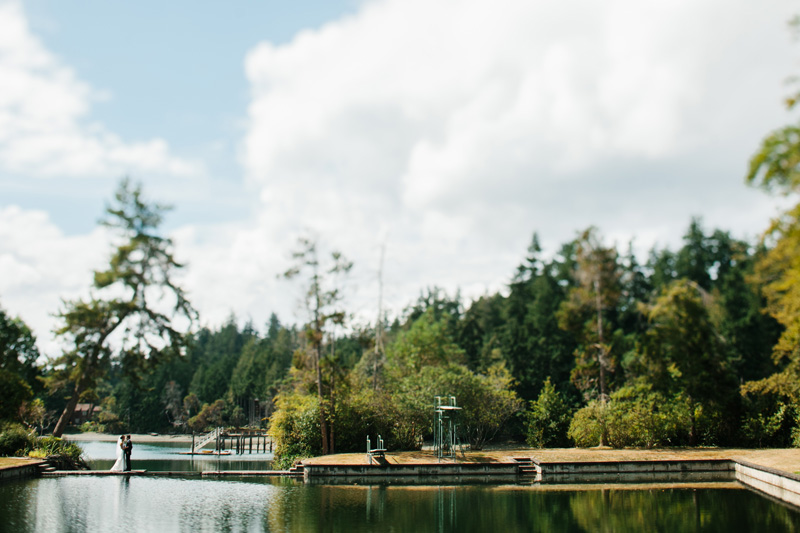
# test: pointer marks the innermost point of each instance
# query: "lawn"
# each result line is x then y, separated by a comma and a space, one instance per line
7, 462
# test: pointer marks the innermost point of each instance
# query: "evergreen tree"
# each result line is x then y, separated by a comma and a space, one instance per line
129, 301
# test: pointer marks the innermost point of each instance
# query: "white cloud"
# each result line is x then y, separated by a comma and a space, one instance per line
463, 126
44, 109
40, 266
450, 129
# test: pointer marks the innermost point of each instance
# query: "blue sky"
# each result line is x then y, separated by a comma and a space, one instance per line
165, 69
448, 130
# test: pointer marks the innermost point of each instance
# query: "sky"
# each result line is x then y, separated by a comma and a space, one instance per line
446, 132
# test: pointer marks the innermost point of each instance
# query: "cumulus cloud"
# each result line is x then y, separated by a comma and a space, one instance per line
44, 109
463, 126
40, 266
451, 130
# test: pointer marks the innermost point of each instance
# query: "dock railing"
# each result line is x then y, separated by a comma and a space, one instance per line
205, 439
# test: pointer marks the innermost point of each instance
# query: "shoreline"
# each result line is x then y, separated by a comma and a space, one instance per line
135, 437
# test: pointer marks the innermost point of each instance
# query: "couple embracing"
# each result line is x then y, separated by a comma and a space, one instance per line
124, 446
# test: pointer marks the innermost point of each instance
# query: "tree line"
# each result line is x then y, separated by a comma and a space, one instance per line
586, 347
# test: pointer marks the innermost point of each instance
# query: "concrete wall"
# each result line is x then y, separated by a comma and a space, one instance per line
780, 485
19, 472
633, 467
439, 469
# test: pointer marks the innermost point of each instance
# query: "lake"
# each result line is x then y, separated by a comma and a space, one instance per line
167, 457
165, 504
243, 504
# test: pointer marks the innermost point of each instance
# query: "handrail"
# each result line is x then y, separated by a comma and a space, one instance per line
205, 439
379, 451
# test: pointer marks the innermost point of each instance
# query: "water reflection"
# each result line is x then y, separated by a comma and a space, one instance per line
169, 457
117, 503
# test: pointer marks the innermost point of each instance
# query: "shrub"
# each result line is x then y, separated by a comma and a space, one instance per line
62, 454
92, 426
641, 418
549, 419
295, 428
634, 416
587, 425
109, 422
15, 441
487, 403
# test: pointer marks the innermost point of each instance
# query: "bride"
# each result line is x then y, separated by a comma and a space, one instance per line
119, 465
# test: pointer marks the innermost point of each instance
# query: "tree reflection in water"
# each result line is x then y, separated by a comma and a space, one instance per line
88, 503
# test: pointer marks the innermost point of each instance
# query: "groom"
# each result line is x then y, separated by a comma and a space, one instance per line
127, 445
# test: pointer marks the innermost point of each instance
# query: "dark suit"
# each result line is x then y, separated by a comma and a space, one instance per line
126, 447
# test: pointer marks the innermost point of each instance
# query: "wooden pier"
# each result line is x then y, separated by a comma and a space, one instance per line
237, 441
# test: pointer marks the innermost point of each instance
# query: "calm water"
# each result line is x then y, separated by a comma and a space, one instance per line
165, 504
138, 504
167, 457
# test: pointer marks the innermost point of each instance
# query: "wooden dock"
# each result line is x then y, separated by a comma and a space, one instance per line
238, 441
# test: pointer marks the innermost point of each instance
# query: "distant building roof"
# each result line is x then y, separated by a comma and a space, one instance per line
85, 407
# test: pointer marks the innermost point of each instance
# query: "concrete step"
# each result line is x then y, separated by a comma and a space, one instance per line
46, 467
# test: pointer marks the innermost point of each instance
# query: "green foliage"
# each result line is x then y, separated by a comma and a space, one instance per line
634, 416
776, 165
645, 340
62, 454
532, 344
588, 425
18, 370
427, 342
34, 414
487, 402
136, 297
549, 419
766, 421
295, 428
14, 392
18, 352
210, 416
639, 417
15, 440
322, 297
596, 291
683, 351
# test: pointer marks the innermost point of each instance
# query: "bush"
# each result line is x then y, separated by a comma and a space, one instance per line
587, 425
487, 403
62, 454
549, 419
633, 417
641, 418
15, 441
295, 428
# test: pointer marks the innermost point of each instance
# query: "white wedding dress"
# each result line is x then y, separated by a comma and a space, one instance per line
119, 465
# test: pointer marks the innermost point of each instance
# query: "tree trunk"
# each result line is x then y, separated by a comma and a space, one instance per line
69, 409
600, 345
323, 422
333, 414
601, 361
